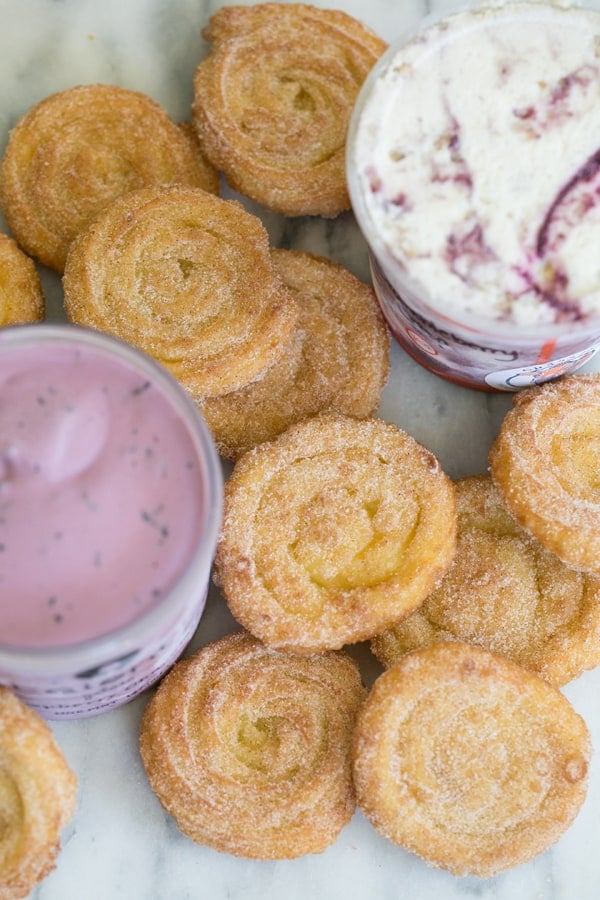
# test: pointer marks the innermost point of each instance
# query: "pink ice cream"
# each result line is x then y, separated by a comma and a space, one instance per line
101, 497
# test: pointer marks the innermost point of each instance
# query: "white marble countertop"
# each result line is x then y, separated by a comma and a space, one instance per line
121, 844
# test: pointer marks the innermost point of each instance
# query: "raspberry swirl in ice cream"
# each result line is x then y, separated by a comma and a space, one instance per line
478, 157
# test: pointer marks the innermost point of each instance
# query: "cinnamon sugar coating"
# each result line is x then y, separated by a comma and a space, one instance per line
504, 591
249, 749
76, 151
21, 297
545, 462
332, 532
188, 278
37, 797
278, 129
211, 180
469, 760
338, 359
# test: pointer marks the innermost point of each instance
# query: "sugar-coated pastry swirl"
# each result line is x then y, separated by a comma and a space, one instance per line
332, 532
77, 150
504, 591
278, 129
188, 278
339, 358
37, 797
249, 749
21, 297
545, 462
469, 760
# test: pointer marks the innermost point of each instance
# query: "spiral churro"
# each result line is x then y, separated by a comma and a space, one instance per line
339, 358
504, 591
21, 297
37, 797
469, 760
278, 129
76, 151
545, 462
187, 277
338, 526
249, 748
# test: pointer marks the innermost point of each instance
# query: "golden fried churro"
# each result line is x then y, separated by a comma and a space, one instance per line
545, 462
469, 760
21, 298
333, 529
188, 278
504, 591
211, 181
249, 749
278, 129
37, 797
74, 152
339, 358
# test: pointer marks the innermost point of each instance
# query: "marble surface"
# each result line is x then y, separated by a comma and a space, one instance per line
121, 844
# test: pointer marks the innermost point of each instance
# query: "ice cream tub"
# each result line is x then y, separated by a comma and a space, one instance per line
110, 507
473, 164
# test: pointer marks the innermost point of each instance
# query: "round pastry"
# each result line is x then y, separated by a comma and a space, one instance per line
332, 532
469, 760
37, 797
21, 298
278, 129
339, 358
188, 278
545, 462
249, 749
74, 152
507, 593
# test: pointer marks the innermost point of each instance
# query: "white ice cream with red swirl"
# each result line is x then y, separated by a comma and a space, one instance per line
478, 159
